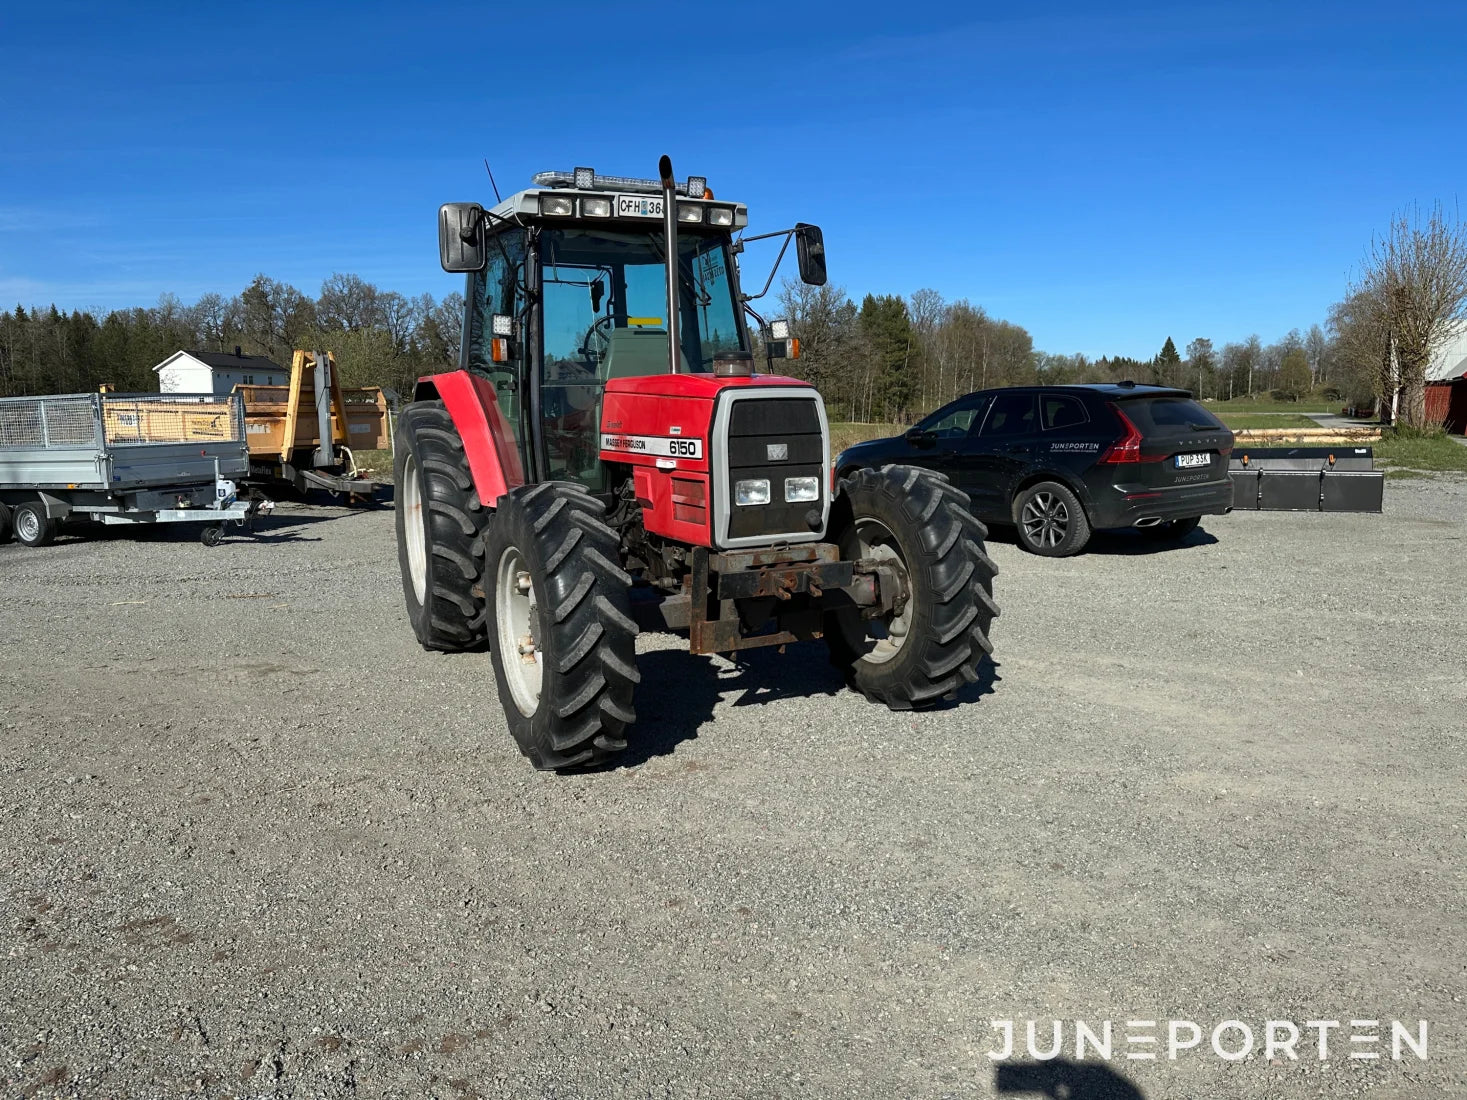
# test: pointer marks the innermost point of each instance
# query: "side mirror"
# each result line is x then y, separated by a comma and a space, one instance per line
810, 247
598, 291
920, 437
461, 243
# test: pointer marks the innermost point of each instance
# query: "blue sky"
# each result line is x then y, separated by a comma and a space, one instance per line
1105, 175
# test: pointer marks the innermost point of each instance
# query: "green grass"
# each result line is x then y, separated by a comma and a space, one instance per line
1240, 421
375, 464
845, 434
1404, 448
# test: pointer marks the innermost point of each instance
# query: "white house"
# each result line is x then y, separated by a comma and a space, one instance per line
217, 372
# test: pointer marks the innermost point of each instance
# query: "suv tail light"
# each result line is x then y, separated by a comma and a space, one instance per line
1128, 447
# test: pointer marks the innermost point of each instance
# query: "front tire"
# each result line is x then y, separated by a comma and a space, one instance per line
1051, 521
4, 524
32, 526
914, 521
563, 639
439, 523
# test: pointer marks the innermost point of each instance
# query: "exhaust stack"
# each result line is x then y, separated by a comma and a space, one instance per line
669, 233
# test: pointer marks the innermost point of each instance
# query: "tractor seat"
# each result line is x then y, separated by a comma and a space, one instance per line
634, 352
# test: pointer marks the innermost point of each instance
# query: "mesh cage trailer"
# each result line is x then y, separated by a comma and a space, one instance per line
121, 458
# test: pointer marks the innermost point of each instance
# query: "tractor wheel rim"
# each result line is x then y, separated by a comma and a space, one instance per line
878, 543
1046, 520
414, 530
28, 526
517, 615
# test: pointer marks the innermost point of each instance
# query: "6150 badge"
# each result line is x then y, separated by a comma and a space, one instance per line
663, 446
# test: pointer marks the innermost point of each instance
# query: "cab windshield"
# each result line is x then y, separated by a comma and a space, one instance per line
604, 296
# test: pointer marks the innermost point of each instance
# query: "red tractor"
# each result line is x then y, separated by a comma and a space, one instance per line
606, 459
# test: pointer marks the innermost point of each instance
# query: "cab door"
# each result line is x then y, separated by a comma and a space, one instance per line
997, 456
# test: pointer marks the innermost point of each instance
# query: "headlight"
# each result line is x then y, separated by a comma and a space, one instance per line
720, 215
559, 206
596, 208
687, 212
798, 489
752, 492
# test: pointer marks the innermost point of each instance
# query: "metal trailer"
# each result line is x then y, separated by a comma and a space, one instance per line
1306, 479
122, 458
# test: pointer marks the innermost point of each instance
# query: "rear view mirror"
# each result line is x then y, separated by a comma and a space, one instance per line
598, 291
461, 243
810, 247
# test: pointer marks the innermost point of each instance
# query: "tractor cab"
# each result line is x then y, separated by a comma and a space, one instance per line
568, 288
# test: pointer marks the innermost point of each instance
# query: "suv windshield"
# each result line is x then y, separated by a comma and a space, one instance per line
1158, 415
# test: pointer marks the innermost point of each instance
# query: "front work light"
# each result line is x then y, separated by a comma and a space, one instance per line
800, 489
558, 206
596, 208
697, 185
584, 179
755, 491
501, 324
779, 329
720, 215
687, 212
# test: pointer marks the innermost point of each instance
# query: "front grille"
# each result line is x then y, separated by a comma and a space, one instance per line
754, 425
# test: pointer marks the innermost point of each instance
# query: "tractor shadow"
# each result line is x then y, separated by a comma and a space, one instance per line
1064, 1079
696, 686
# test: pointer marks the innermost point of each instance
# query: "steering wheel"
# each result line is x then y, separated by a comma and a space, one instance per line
595, 333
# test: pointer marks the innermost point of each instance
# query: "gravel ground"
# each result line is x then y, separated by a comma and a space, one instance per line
257, 843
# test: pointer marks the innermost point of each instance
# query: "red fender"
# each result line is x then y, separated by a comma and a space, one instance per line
489, 444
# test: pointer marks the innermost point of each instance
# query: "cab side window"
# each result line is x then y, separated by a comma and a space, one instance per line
494, 290
1012, 414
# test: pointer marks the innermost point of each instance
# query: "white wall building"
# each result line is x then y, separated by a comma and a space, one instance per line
217, 372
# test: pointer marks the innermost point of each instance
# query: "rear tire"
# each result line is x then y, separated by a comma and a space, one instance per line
936, 643
1051, 521
440, 521
1172, 530
32, 526
563, 639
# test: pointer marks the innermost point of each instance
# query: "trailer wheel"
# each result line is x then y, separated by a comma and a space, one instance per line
4, 524
212, 535
929, 646
439, 523
32, 526
563, 640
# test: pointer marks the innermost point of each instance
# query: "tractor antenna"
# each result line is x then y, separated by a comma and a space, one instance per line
491, 180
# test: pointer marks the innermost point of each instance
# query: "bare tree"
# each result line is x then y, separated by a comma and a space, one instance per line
1416, 275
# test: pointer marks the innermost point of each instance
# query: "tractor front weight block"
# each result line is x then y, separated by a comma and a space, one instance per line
731, 598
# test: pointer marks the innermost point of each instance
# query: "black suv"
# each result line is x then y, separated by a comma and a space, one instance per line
1060, 461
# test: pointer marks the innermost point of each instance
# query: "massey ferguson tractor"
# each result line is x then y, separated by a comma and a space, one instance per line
607, 459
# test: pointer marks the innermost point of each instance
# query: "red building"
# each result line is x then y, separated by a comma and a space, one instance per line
1446, 384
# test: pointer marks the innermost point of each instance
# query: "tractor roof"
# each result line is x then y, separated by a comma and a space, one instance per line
618, 200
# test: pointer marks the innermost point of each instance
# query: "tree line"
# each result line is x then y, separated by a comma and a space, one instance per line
891, 358
379, 337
